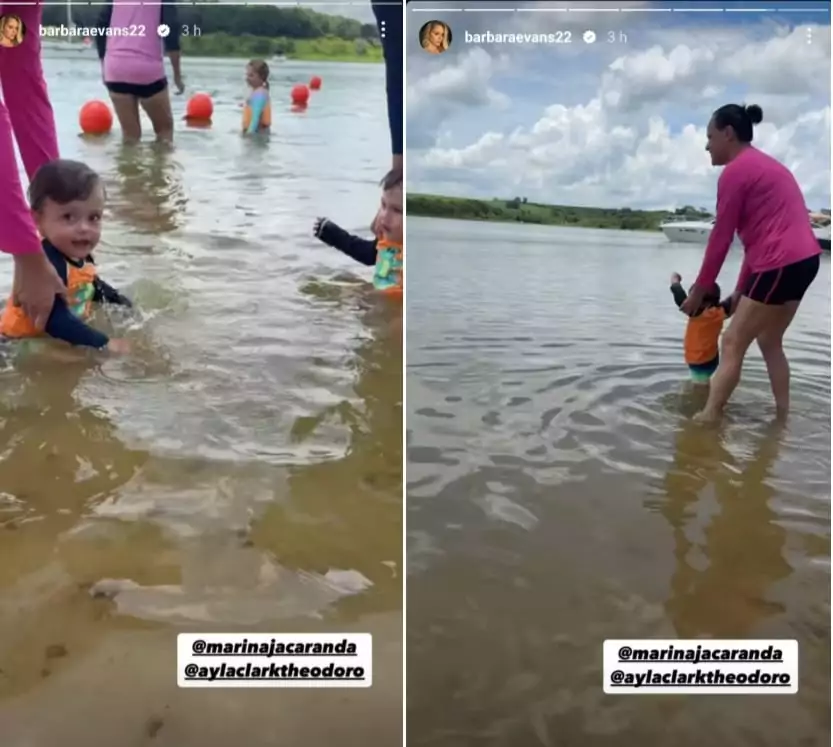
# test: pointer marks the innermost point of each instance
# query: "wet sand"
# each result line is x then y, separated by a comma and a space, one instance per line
124, 693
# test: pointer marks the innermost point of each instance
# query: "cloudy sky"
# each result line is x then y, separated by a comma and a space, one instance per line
615, 123
358, 9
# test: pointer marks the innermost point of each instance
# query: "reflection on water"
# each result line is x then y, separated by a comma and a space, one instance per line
147, 192
559, 495
723, 592
241, 470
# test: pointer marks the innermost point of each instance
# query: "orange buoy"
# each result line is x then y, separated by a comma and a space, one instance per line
315, 83
200, 107
300, 94
95, 118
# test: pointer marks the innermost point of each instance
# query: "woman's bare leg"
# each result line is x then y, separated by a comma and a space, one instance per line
158, 109
750, 319
771, 343
127, 112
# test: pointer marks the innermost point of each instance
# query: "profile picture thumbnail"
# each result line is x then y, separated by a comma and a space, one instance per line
435, 37
12, 30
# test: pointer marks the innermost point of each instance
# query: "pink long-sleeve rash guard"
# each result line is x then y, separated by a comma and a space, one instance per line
759, 198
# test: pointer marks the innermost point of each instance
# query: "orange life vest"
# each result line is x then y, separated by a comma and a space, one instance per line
265, 117
702, 336
80, 292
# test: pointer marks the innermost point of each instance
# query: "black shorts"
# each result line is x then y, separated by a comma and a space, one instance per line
139, 91
790, 283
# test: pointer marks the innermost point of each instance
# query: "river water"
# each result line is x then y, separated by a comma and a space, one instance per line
559, 495
242, 470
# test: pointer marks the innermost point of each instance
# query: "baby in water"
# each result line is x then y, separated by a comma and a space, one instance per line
67, 201
702, 334
385, 252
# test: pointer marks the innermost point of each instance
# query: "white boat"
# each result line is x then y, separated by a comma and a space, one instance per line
688, 231
698, 231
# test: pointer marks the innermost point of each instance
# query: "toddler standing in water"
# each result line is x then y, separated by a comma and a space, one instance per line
702, 334
67, 202
385, 252
257, 111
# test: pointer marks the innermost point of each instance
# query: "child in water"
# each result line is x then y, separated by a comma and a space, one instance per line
257, 111
67, 202
703, 330
385, 251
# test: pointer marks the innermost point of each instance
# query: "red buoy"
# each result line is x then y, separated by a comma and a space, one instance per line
300, 94
200, 107
315, 83
95, 118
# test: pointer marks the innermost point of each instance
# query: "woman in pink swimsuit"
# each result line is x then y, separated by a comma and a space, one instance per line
134, 64
758, 198
26, 116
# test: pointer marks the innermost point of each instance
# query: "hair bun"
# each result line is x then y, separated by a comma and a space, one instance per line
755, 113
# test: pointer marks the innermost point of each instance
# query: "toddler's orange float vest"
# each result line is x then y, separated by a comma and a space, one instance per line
80, 292
702, 334
265, 117
389, 268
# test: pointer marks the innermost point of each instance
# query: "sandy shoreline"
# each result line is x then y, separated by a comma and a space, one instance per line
124, 693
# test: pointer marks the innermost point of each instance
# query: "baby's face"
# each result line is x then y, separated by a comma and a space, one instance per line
390, 214
74, 228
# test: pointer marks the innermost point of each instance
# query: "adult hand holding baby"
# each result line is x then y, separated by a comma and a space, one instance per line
36, 283
694, 300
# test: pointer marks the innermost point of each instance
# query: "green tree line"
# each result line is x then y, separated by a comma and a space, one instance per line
330, 48
520, 210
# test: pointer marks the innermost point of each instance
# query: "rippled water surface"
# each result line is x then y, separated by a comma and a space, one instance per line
240, 471
559, 494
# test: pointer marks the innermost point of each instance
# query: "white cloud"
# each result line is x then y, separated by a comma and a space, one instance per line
619, 124
636, 79
440, 93
783, 61
463, 84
